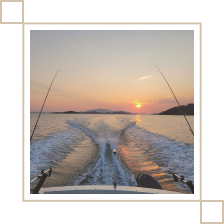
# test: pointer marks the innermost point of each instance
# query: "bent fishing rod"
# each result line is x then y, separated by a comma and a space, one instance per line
177, 101
43, 105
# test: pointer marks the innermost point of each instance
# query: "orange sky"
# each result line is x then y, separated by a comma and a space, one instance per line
112, 70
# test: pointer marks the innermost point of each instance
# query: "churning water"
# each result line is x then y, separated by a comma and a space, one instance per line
79, 148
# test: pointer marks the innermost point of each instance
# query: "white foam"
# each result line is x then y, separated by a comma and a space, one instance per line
106, 132
48, 151
108, 167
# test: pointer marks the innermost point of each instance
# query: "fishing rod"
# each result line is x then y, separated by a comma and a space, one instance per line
177, 101
43, 105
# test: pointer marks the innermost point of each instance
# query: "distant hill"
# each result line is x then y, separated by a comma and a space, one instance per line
120, 112
98, 111
95, 111
186, 109
104, 111
67, 112
71, 112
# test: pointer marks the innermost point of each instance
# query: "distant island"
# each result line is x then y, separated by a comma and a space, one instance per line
67, 112
104, 111
186, 110
94, 111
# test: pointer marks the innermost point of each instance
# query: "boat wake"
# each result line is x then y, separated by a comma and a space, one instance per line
108, 169
93, 163
47, 152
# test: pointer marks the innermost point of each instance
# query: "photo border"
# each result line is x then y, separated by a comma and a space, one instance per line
202, 21
121, 26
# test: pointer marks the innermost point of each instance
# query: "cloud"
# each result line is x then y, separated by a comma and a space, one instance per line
145, 77
150, 102
143, 103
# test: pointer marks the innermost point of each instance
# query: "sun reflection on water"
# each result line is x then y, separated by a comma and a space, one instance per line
138, 119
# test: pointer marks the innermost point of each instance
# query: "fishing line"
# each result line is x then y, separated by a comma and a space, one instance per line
177, 102
43, 105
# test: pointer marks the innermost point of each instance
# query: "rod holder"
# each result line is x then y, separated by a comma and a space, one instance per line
181, 178
42, 178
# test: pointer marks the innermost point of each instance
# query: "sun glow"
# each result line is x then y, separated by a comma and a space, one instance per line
138, 105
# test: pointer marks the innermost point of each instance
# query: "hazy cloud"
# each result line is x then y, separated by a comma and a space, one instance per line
143, 103
145, 77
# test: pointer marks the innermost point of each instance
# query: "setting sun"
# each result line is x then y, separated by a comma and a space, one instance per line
138, 105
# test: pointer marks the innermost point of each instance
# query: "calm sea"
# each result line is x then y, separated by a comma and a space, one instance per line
79, 149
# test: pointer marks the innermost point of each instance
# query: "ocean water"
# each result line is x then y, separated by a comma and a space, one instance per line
79, 148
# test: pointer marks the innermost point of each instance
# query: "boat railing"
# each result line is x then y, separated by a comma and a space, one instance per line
42, 177
181, 178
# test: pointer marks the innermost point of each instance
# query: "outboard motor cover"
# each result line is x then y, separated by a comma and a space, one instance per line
145, 180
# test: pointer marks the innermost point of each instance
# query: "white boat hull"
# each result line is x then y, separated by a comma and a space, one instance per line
102, 189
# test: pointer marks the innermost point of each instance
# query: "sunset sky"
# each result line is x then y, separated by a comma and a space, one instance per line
112, 70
